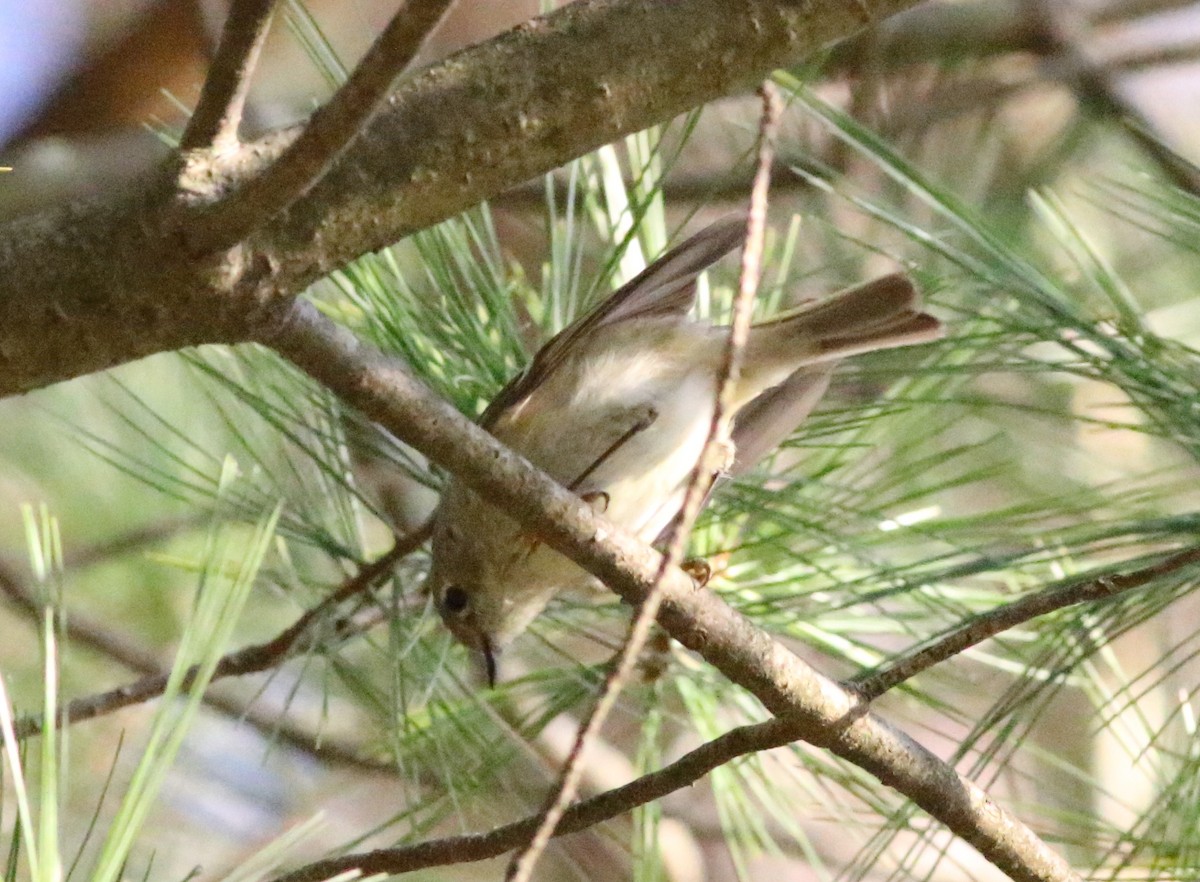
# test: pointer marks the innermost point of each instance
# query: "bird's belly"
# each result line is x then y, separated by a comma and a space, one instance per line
643, 479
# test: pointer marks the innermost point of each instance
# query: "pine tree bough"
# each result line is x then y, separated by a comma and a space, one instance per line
98, 284
824, 713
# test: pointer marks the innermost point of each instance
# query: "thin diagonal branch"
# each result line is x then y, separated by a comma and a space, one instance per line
249, 660
330, 130
1097, 87
82, 631
463, 849
707, 466
826, 714
105, 281
1123, 11
873, 684
218, 114
136, 539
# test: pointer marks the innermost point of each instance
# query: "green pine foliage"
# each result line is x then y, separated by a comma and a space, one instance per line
933, 485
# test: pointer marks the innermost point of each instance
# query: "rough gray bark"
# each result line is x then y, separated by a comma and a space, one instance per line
100, 283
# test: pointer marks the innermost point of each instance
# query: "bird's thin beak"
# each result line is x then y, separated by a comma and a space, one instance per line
489, 661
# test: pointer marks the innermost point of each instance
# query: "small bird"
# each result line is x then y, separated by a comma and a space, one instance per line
617, 408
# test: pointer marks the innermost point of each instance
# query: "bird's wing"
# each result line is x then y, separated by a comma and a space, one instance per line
665, 288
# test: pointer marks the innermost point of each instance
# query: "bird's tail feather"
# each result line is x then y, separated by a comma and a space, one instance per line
880, 314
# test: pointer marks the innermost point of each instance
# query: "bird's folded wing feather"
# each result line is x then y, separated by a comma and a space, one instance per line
665, 288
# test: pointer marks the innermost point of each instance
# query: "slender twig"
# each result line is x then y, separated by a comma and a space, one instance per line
321, 747
707, 466
1134, 59
249, 660
873, 684
586, 813
91, 634
944, 33
835, 718
330, 130
1096, 87
82, 631
218, 114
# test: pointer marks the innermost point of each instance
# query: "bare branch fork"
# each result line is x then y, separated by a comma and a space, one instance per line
325, 137
103, 282
214, 124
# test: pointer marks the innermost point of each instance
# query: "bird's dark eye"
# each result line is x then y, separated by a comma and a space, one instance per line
455, 600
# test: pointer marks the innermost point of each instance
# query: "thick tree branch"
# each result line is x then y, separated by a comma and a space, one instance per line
219, 112
558, 87
325, 138
101, 283
825, 713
